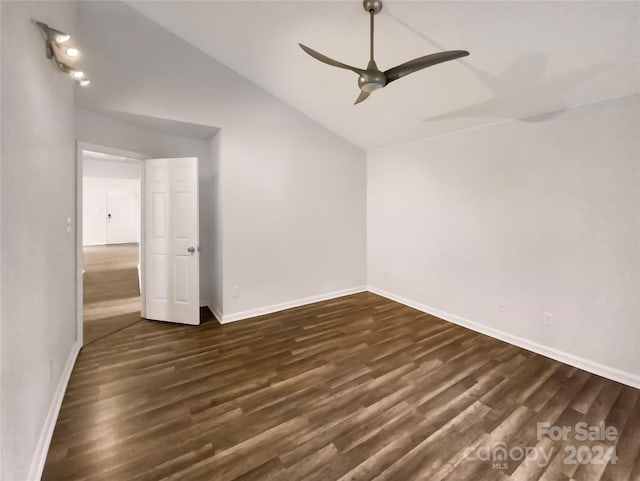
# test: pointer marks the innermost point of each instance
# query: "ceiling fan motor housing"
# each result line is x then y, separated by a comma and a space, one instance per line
372, 79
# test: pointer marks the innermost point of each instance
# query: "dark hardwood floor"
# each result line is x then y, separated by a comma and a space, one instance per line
111, 298
356, 388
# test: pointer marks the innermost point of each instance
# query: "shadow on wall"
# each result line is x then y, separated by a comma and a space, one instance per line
523, 83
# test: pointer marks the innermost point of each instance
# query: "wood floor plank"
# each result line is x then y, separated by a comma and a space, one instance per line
356, 388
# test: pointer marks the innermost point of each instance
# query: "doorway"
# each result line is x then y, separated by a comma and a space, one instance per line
126, 203
111, 232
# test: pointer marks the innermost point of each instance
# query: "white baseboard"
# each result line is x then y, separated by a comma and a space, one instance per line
216, 312
609, 372
42, 449
237, 316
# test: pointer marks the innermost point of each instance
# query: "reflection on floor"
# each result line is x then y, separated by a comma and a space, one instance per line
111, 289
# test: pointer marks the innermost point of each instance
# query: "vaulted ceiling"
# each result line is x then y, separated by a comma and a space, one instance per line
528, 59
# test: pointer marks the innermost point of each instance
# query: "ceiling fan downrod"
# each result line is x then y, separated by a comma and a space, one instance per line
373, 7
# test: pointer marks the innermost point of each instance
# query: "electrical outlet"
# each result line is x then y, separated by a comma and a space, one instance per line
547, 318
235, 291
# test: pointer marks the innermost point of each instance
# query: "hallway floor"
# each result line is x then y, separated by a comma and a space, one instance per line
111, 289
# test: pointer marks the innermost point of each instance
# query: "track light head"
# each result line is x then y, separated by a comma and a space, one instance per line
75, 73
62, 37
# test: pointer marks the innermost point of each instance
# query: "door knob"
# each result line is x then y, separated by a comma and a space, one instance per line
191, 249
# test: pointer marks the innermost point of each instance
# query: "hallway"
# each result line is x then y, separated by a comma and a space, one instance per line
111, 289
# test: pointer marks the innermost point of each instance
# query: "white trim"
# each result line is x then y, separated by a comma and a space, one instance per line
78, 246
42, 449
260, 311
105, 149
216, 312
609, 372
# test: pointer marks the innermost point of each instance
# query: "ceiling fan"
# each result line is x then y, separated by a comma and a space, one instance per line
372, 78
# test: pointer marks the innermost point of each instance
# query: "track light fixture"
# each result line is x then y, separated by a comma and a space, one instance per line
53, 34
53, 40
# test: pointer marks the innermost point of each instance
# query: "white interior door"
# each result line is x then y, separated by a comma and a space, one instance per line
122, 216
172, 285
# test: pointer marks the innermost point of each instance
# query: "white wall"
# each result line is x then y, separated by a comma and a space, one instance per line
98, 178
539, 217
38, 328
292, 193
108, 168
109, 130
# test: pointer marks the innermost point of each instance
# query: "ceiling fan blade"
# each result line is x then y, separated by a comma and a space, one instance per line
363, 96
329, 61
422, 62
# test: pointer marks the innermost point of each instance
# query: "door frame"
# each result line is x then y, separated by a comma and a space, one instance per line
103, 149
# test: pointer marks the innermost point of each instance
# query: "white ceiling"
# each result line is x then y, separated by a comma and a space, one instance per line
527, 58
